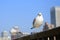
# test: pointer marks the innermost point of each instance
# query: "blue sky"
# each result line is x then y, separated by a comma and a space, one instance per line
22, 13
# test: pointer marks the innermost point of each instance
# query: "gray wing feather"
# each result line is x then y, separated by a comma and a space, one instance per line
34, 21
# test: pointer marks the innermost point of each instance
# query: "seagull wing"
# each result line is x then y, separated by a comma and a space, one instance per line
34, 21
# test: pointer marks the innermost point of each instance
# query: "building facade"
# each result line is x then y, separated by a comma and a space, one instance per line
55, 16
4, 36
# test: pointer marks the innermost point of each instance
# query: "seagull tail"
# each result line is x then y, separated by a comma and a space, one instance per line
32, 28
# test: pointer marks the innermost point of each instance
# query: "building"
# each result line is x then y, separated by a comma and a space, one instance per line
5, 36
0, 38
55, 16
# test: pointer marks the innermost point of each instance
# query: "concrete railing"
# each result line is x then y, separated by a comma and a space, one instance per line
52, 34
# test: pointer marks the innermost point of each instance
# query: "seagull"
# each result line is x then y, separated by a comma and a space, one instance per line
38, 21
15, 29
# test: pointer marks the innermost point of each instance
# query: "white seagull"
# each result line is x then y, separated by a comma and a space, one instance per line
38, 21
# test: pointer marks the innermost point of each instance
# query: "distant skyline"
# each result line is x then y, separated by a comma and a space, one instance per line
22, 12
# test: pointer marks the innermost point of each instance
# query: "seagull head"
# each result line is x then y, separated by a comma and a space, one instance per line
39, 14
